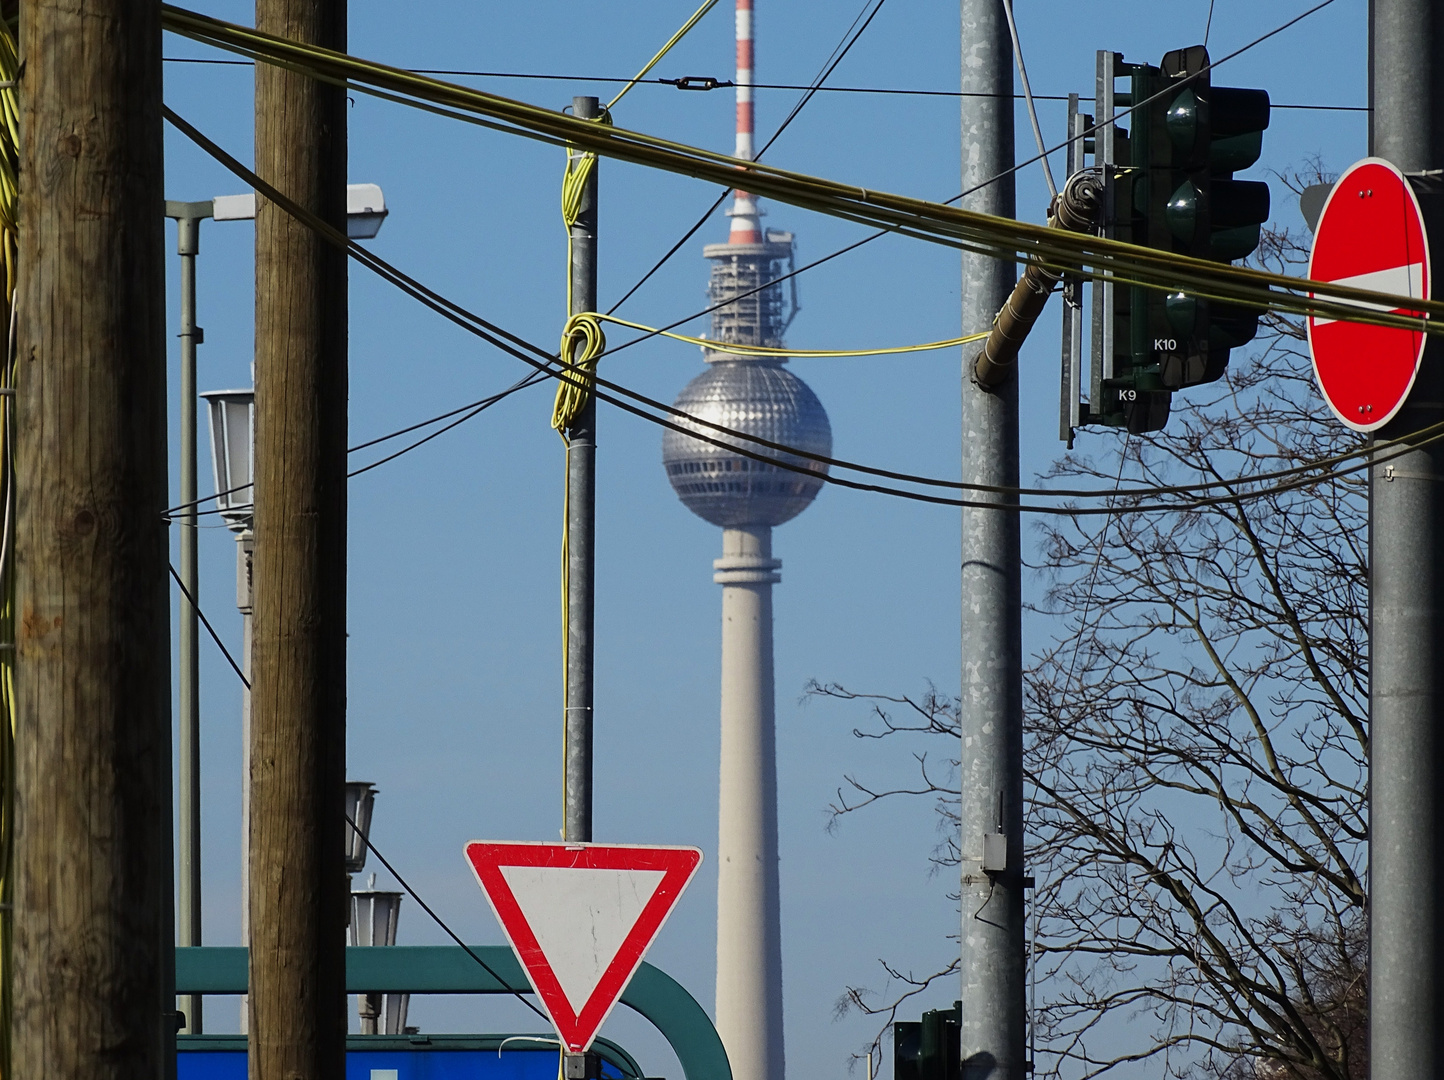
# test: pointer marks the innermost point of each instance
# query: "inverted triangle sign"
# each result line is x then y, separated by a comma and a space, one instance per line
580, 917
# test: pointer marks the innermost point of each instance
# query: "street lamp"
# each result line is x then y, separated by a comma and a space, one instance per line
365, 212
365, 209
233, 454
374, 915
360, 798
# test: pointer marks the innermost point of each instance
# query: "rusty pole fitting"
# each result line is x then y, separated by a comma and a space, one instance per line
1076, 209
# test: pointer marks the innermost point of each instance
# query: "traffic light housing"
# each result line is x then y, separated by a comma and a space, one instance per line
930, 1048
1174, 190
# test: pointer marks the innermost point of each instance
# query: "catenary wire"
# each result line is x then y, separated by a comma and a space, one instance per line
549, 365
709, 83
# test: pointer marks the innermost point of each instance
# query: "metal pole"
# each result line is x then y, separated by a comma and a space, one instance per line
581, 529
749, 938
993, 1001
245, 545
1406, 698
188, 218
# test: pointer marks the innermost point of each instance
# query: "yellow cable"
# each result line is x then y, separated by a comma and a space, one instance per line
582, 342
707, 6
1092, 256
9, 173
766, 351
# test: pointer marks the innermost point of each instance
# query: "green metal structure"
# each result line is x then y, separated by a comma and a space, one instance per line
476, 969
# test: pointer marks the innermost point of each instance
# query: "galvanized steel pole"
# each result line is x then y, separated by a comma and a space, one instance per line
581, 527
1406, 632
188, 217
992, 940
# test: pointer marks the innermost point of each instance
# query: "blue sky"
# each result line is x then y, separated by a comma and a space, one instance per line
454, 649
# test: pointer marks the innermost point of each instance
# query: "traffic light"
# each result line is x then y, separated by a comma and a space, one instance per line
1174, 190
930, 1048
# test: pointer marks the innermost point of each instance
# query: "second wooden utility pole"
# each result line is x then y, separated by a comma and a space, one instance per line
93, 945
298, 905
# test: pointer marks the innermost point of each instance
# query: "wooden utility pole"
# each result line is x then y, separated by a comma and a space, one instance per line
93, 902
298, 907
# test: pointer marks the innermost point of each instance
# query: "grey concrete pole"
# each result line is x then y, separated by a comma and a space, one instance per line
993, 967
188, 218
1406, 638
749, 940
581, 530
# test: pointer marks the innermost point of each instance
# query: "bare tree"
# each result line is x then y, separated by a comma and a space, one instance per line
1197, 747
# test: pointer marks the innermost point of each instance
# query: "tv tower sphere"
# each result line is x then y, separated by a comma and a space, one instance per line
759, 397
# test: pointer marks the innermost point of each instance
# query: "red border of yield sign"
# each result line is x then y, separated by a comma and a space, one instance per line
578, 1029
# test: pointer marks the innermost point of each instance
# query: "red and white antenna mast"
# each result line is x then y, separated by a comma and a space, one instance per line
744, 213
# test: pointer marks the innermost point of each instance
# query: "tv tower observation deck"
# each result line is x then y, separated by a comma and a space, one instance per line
746, 497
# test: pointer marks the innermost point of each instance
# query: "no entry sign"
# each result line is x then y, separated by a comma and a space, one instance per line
1371, 236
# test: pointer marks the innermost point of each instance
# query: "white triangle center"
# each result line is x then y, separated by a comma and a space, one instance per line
580, 916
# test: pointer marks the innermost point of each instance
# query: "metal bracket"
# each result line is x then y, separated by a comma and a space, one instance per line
581, 1066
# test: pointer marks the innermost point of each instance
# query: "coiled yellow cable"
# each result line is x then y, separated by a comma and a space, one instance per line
583, 342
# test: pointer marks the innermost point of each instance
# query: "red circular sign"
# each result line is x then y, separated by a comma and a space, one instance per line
1370, 235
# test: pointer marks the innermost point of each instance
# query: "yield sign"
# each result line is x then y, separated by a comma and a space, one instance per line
1370, 235
580, 918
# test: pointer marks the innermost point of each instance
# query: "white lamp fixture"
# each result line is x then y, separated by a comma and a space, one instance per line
374, 915
232, 440
365, 209
360, 797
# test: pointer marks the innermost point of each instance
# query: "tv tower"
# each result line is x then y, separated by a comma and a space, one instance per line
747, 497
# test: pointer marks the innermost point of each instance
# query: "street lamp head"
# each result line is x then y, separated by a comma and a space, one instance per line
365, 209
360, 797
232, 429
374, 915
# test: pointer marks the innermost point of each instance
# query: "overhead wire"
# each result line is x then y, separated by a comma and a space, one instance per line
582, 342
695, 427
879, 233
782, 352
839, 53
240, 674
1028, 95
976, 187
1082, 254
700, 83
